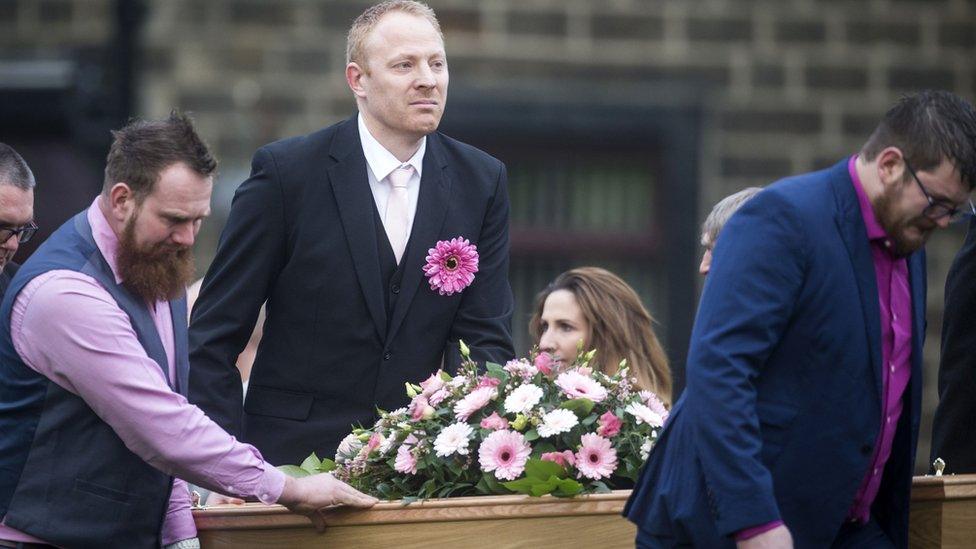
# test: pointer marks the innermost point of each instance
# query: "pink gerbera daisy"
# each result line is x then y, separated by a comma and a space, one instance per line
596, 458
451, 265
505, 453
577, 385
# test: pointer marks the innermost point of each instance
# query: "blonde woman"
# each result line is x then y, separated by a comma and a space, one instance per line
594, 306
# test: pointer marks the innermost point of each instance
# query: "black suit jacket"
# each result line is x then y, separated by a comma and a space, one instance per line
302, 235
954, 430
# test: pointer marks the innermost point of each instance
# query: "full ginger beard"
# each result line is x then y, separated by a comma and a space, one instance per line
155, 272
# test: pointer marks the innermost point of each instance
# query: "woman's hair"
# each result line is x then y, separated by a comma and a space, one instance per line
619, 326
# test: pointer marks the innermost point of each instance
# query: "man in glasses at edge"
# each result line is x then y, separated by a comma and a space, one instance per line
800, 417
16, 210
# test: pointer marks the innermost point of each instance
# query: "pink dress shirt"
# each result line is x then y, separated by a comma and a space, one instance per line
93, 352
894, 299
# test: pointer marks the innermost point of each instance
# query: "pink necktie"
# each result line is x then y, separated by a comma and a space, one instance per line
396, 219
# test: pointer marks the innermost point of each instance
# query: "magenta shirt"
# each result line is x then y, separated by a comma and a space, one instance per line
894, 299
895, 302
93, 352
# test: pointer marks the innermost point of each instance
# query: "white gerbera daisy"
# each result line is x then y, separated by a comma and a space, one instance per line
523, 398
557, 421
453, 439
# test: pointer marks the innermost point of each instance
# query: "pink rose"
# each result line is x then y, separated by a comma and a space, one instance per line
609, 425
494, 422
564, 458
374, 442
420, 408
543, 361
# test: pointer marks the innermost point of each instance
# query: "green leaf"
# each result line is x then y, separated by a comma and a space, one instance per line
590, 420
522, 485
496, 371
542, 469
567, 488
407, 500
327, 466
600, 487
293, 471
579, 406
531, 435
311, 464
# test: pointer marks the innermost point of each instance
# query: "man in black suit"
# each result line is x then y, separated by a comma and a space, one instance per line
16, 210
333, 230
954, 429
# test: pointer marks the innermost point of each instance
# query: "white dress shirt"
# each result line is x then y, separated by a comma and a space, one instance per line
380, 163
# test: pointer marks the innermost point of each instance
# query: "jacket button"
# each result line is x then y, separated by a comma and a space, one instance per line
866, 449
387, 355
395, 288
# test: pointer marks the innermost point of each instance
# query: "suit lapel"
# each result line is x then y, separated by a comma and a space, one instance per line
432, 205
350, 186
853, 232
917, 288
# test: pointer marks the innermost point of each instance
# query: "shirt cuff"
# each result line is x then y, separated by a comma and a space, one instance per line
178, 524
749, 533
271, 485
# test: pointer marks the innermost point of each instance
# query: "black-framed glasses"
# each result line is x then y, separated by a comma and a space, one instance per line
23, 233
936, 210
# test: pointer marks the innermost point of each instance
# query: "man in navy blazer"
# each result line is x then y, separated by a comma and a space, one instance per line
800, 417
332, 229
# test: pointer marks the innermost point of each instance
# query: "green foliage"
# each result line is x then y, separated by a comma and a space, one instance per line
579, 406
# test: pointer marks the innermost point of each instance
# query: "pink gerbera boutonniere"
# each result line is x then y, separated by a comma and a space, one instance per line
451, 265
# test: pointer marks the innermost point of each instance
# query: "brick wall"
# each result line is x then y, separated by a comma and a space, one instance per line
786, 85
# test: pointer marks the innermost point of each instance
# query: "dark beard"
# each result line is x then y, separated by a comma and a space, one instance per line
159, 272
900, 247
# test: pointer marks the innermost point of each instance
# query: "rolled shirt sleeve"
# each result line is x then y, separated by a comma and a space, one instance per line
67, 327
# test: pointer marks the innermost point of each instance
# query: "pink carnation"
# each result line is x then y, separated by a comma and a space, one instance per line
609, 425
494, 422
543, 361
577, 385
374, 442
433, 384
564, 458
521, 369
474, 401
438, 397
406, 461
451, 265
504, 452
488, 381
596, 458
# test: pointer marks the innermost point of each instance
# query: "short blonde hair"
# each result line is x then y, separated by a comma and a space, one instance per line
366, 22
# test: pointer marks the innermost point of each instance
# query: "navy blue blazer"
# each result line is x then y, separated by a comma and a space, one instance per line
343, 330
783, 400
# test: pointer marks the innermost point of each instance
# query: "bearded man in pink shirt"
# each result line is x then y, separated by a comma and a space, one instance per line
93, 368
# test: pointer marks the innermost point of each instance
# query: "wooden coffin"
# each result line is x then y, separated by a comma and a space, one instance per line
486, 521
943, 512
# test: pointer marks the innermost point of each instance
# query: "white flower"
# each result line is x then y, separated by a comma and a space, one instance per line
643, 414
522, 399
556, 421
397, 414
386, 444
645, 449
453, 439
348, 448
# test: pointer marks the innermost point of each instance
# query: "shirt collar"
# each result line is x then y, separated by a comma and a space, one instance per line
381, 161
105, 238
875, 230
